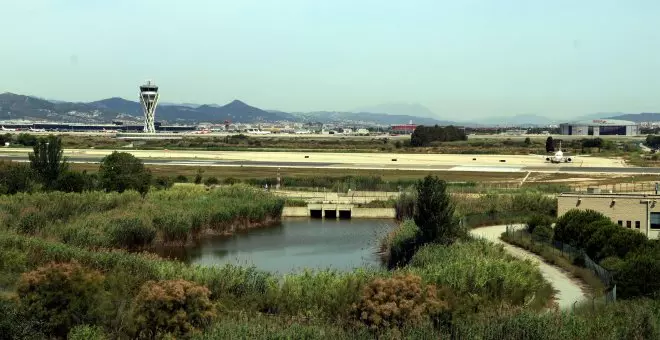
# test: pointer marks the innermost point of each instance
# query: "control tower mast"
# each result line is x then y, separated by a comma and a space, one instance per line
149, 100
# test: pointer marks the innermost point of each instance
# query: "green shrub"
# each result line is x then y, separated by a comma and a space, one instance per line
173, 308
543, 233
537, 220
15, 177
86, 332
131, 232
31, 222
211, 181
231, 180
61, 295
181, 179
73, 181
163, 182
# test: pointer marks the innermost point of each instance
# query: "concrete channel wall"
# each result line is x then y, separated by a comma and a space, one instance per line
338, 211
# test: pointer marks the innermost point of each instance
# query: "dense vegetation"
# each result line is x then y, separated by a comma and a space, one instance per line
425, 135
126, 220
632, 258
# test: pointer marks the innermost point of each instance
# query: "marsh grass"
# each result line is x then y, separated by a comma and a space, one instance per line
96, 219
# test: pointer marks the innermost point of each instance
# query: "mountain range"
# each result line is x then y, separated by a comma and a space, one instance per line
22, 107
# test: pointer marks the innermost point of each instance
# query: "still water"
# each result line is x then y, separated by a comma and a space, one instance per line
294, 245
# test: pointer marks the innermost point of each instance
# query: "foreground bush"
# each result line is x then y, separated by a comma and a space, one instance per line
394, 302
61, 296
175, 308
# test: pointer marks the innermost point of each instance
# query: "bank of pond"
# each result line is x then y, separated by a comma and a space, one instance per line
97, 251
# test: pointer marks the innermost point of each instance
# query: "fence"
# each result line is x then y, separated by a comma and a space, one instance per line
640, 187
575, 255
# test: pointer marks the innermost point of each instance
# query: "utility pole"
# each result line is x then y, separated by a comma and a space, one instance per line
277, 187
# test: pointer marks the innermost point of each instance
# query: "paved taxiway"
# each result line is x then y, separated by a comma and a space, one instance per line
413, 162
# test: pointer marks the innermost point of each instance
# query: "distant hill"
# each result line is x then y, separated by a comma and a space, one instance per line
639, 117
398, 109
15, 106
366, 118
520, 120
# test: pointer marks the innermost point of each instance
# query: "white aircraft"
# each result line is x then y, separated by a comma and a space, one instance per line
257, 132
559, 157
37, 130
3, 129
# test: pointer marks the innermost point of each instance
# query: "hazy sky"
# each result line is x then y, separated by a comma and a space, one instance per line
463, 58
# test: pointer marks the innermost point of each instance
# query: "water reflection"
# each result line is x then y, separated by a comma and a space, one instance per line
293, 245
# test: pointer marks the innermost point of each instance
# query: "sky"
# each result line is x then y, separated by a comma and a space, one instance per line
470, 58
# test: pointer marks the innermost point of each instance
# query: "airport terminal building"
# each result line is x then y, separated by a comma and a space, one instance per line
600, 127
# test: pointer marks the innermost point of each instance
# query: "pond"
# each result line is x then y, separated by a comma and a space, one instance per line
293, 245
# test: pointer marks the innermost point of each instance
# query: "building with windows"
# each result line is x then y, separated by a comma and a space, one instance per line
600, 127
403, 129
633, 211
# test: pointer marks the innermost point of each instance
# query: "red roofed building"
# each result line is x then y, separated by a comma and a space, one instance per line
404, 129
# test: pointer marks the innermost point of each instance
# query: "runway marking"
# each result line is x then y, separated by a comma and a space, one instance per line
485, 168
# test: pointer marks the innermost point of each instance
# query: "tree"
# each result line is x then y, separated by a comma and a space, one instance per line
434, 214
121, 171
73, 181
424, 135
47, 161
549, 145
528, 141
198, 176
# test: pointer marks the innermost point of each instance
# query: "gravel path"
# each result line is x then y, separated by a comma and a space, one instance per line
567, 289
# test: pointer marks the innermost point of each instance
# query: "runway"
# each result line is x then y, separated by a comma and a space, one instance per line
365, 161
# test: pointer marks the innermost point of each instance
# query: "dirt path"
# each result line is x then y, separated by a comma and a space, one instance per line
567, 290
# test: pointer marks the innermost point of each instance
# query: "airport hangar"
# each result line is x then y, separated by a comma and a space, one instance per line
600, 127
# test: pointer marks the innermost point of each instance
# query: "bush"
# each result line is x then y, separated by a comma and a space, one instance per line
15, 178
26, 139
543, 233
638, 274
397, 301
86, 332
211, 181
61, 295
73, 181
537, 220
163, 182
198, 176
180, 179
231, 180
175, 308
131, 232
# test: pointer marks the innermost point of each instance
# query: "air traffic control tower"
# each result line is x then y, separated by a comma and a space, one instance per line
149, 100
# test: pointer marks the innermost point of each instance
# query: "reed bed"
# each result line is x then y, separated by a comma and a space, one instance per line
480, 268
96, 219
